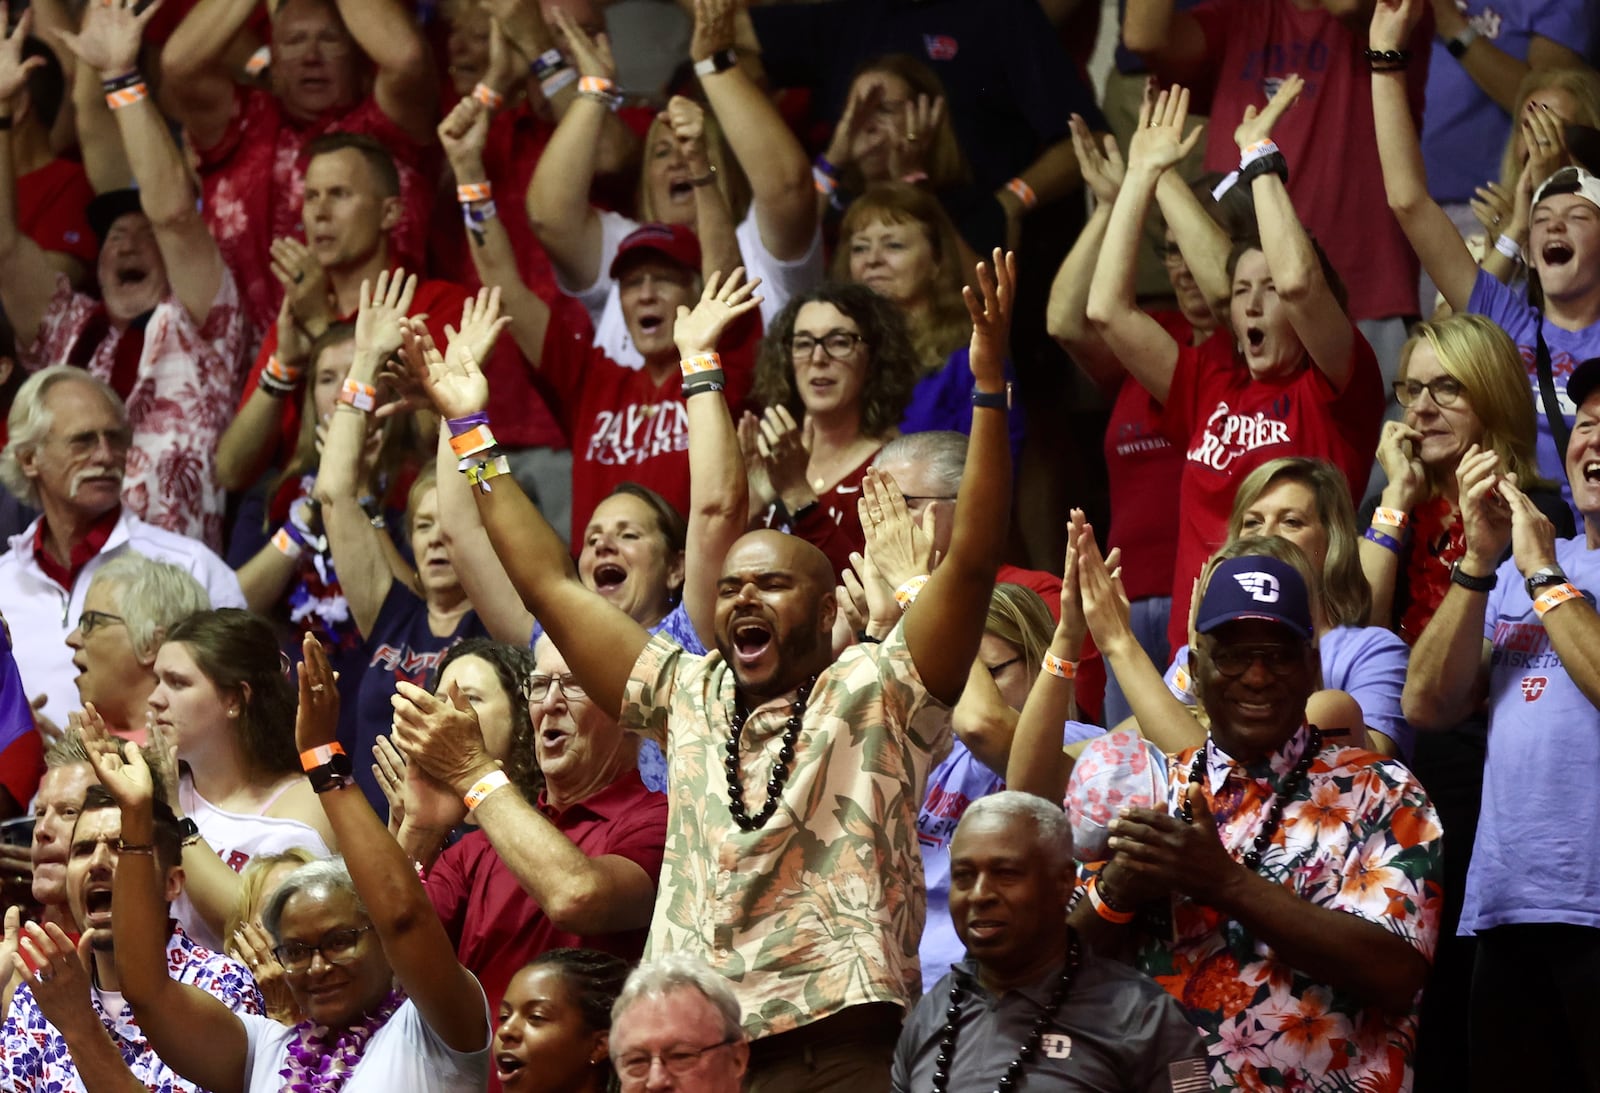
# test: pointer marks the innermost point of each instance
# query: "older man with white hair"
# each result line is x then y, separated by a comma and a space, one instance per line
1032, 1005
66, 456
677, 1025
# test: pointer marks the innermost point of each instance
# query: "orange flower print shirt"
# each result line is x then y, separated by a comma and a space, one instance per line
1358, 836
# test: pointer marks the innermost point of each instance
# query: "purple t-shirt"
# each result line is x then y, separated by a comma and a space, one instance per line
401, 646
944, 401
1366, 662
1463, 129
1534, 859
16, 716
1568, 348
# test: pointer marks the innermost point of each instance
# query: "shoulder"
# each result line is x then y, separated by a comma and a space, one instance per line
1363, 641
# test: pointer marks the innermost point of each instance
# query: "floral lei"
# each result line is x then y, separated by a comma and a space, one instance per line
321, 1060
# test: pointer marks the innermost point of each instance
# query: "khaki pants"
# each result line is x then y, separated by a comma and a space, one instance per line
850, 1052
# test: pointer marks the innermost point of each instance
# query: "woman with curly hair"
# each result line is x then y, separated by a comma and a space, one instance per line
835, 372
897, 240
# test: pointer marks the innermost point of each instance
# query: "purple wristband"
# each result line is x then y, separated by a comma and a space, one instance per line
460, 425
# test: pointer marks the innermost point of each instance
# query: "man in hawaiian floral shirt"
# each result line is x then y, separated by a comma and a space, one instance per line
1302, 878
68, 1028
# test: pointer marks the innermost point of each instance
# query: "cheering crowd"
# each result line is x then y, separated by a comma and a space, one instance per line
798, 547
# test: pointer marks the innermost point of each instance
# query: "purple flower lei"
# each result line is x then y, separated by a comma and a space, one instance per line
321, 1060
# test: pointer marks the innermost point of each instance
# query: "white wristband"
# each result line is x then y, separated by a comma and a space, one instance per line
1508, 247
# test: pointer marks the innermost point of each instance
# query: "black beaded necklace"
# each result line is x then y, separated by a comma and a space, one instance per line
1269, 826
780, 769
1030, 1046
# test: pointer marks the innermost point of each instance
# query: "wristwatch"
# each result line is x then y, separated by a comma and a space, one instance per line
1458, 45
336, 773
1544, 577
1471, 583
190, 830
720, 61
992, 400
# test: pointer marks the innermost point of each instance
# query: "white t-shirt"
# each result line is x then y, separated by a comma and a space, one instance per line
236, 838
404, 1056
780, 281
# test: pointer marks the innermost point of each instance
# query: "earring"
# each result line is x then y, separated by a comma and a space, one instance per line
234, 712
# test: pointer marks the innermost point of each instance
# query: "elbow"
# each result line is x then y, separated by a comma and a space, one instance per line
1298, 284
577, 911
1099, 314
1143, 39
1423, 711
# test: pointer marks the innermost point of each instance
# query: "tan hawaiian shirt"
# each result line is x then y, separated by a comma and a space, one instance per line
822, 907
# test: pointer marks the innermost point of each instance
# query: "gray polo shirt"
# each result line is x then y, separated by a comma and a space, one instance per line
1116, 1032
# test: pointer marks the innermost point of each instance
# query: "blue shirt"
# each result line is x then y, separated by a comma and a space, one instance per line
943, 401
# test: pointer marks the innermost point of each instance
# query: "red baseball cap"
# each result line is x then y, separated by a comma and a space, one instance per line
677, 243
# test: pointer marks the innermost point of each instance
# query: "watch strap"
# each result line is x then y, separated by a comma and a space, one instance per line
720, 61
1460, 43
1471, 583
992, 400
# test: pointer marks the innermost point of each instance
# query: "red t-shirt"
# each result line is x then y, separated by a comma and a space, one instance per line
1143, 468
253, 183
521, 418
1229, 424
833, 525
624, 426
1328, 137
52, 205
497, 927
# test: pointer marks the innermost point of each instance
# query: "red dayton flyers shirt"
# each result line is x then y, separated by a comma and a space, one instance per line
1230, 424
624, 426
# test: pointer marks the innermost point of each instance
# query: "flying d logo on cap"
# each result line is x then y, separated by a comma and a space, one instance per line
1263, 587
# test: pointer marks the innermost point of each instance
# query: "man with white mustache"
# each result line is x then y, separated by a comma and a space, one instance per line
66, 453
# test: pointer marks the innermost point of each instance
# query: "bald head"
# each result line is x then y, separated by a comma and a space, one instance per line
777, 550
775, 611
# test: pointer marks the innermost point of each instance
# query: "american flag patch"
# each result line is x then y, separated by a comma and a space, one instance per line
1190, 1076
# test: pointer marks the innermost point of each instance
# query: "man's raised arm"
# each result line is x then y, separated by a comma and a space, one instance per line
945, 624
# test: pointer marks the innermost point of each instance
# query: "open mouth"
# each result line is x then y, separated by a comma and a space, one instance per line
507, 1067
552, 738
751, 638
608, 577
1591, 471
680, 189
649, 324
1557, 252
97, 903
127, 276
1254, 336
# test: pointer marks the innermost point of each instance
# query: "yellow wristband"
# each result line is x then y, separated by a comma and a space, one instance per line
1062, 669
1554, 597
483, 787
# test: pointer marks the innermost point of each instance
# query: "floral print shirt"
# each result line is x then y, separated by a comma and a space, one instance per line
822, 907
34, 1056
1358, 836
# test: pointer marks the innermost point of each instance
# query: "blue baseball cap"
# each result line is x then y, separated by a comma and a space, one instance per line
1255, 587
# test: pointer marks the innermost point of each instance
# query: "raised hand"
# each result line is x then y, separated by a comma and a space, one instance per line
1257, 127
1533, 536
304, 281
1105, 601
761, 492
252, 944
108, 41
866, 99
1159, 142
164, 750
441, 735
913, 138
1397, 455
1544, 140
57, 972
1485, 516
383, 305
389, 769
13, 69
118, 763
786, 453
713, 28
899, 549
464, 133
456, 388
991, 319
687, 120
316, 719
49, 732
481, 324
1102, 171
1493, 205
592, 56
721, 302
1168, 855
1392, 23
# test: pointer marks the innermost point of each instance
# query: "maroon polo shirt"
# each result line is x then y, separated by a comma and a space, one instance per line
497, 927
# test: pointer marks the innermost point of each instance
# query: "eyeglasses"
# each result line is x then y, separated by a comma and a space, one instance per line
1444, 390
118, 440
838, 344
678, 1060
90, 621
539, 686
1234, 660
914, 500
336, 947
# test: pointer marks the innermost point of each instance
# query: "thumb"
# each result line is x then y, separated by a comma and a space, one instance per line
457, 699
929, 519
1200, 809
13, 925
38, 703
86, 950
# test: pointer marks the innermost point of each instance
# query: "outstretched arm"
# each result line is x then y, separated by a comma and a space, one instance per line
1443, 252
108, 45
945, 624
27, 281
1324, 329
779, 172
407, 88
1144, 348
718, 486
1066, 313
601, 643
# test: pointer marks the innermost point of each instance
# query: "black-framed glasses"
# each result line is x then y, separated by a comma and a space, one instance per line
336, 947
838, 344
914, 500
678, 1060
1234, 660
1443, 389
90, 621
539, 686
